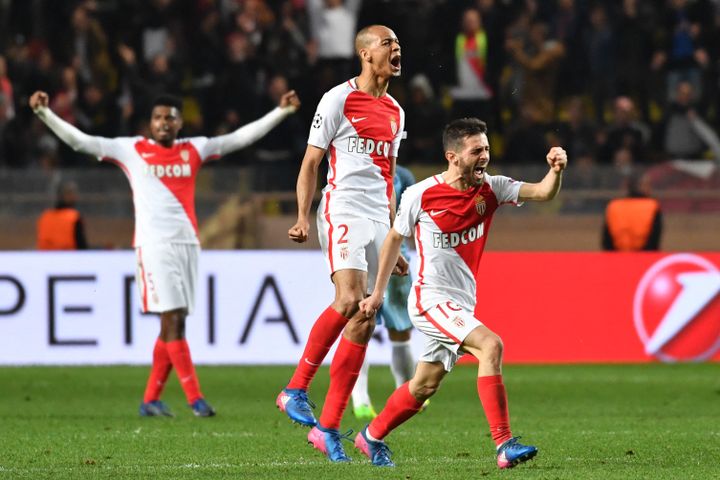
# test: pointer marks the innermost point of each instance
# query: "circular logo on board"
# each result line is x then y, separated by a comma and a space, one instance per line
676, 308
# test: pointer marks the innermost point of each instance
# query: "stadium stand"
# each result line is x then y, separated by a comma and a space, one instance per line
611, 89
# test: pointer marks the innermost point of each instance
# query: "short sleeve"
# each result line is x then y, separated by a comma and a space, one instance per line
326, 121
115, 148
207, 148
407, 213
506, 189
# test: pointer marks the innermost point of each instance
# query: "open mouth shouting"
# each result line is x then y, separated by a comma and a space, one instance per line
395, 65
479, 172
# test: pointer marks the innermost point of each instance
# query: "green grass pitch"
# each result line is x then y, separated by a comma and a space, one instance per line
589, 422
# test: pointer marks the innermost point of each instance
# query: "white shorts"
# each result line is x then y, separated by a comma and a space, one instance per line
350, 242
166, 276
446, 326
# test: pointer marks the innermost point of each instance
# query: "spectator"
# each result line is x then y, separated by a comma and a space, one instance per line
634, 34
243, 78
278, 153
625, 131
286, 46
334, 24
539, 63
685, 134
61, 227
64, 100
682, 52
527, 137
578, 132
600, 48
424, 118
473, 94
634, 222
567, 28
88, 49
6, 90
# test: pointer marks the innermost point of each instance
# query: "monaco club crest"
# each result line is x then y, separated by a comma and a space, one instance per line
185, 155
393, 125
676, 309
480, 205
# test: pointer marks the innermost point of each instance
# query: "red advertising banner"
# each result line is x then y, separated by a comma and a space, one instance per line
602, 307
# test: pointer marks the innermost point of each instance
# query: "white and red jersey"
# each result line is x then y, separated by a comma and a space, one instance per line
360, 133
163, 179
163, 184
450, 228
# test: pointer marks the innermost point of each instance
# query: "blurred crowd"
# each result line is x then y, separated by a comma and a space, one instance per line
617, 82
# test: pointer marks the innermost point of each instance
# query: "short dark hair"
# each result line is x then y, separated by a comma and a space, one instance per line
167, 100
456, 131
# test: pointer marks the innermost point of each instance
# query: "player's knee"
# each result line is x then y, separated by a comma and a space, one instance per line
492, 347
348, 304
172, 325
425, 390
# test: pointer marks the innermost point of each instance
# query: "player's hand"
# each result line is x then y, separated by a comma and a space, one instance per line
299, 232
401, 267
39, 99
557, 159
370, 305
290, 99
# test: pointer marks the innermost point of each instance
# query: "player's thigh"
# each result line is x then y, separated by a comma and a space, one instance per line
481, 341
344, 240
166, 276
350, 284
446, 325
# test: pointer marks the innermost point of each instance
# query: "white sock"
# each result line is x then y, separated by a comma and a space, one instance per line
402, 364
370, 437
360, 394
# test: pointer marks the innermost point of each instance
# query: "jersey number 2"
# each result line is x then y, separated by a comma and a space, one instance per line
342, 238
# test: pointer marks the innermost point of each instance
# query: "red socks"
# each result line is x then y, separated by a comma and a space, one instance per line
326, 330
179, 354
344, 371
161, 367
494, 401
400, 407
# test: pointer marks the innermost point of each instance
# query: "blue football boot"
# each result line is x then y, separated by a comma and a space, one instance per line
329, 442
377, 452
156, 408
512, 453
202, 409
296, 405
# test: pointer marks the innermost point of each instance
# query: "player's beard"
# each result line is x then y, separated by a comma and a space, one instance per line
475, 177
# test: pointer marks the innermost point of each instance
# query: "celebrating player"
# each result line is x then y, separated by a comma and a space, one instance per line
359, 126
450, 215
394, 315
162, 172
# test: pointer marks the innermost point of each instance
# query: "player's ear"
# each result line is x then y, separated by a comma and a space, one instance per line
365, 55
450, 155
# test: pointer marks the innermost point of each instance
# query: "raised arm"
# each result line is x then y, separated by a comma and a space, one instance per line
71, 135
389, 255
549, 186
253, 131
306, 186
